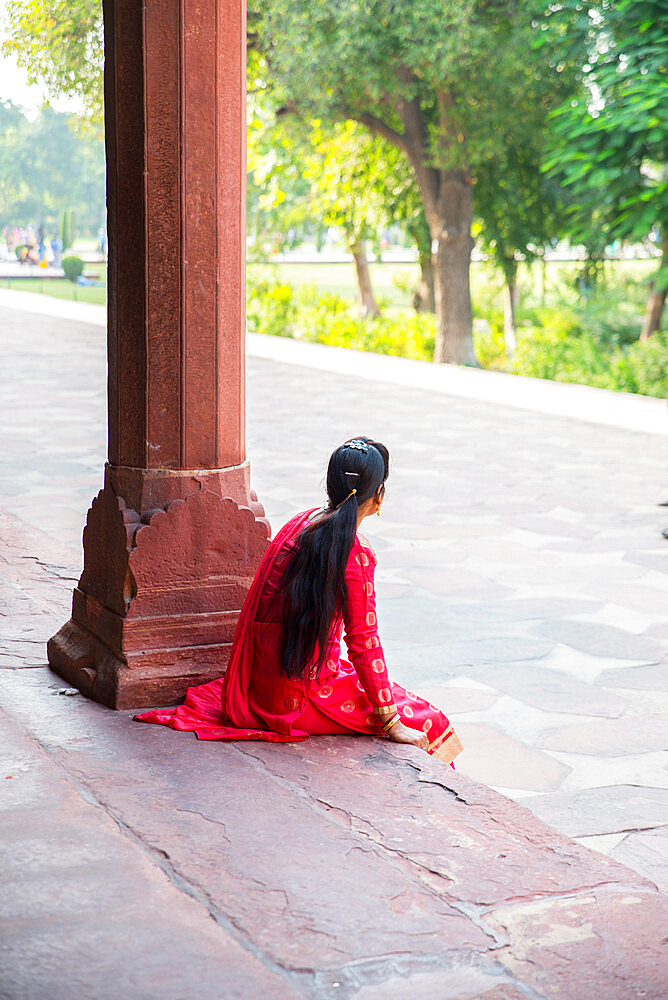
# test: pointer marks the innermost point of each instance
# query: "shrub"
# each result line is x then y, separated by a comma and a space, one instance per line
568, 345
65, 234
611, 323
639, 367
73, 267
490, 344
272, 309
554, 354
277, 309
406, 336
646, 364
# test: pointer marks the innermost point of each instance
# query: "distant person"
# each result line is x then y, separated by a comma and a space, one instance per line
57, 250
287, 679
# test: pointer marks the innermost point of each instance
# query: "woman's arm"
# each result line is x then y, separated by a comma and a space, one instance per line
361, 633
365, 650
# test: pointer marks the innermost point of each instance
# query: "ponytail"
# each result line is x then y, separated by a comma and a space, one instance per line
314, 584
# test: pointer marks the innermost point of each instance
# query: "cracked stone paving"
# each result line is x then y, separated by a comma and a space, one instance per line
522, 586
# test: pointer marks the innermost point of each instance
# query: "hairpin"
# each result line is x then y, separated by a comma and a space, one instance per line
357, 444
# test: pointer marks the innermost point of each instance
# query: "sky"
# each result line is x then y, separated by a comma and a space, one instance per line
13, 85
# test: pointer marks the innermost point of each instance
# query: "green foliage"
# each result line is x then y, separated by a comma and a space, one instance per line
490, 345
60, 42
271, 309
67, 228
351, 175
456, 86
73, 267
278, 205
46, 168
305, 174
466, 64
65, 231
551, 353
647, 366
611, 323
406, 336
327, 319
610, 146
582, 344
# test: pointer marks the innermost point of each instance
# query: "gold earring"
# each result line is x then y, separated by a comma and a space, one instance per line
378, 512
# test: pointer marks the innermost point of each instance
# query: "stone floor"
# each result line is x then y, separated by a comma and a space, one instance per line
136, 862
522, 580
522, 585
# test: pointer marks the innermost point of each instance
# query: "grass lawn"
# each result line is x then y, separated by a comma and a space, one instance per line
61, 288
393, 283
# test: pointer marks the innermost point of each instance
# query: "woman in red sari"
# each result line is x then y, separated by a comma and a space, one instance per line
286, 679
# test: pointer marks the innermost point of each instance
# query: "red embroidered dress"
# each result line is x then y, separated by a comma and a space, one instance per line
256, 701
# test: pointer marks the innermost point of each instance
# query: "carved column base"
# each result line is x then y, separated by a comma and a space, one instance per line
157, 604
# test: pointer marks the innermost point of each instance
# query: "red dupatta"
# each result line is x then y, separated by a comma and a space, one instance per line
221, 709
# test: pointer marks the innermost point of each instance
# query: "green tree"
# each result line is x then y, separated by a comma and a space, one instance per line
13, 186
334, 174
442, 81
519, 211
403, 205
65, 232
45, 168
352, 177
279, 212
60, 42
611, 144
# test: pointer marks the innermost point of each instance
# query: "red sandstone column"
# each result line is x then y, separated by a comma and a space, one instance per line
173, 540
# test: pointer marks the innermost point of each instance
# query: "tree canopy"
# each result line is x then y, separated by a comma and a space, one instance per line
45, 168
476, 95
450, 84
61, 43
610, 142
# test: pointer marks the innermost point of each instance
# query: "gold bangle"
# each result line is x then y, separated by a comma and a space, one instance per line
393, 721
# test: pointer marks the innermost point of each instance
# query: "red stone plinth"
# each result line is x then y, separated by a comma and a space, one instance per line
161, 617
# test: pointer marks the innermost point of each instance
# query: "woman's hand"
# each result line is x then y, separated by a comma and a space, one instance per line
399, 733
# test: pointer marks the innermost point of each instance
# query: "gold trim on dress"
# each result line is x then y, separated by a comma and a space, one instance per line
385, 710
446, 747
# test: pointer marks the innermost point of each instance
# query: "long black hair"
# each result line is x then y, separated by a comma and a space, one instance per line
313, 582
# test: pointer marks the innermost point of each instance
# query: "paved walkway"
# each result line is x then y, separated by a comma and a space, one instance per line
137, 862
522, 585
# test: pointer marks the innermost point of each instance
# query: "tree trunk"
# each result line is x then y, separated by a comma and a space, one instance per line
447, 198
367, 301
510, 300
655, 302
423, 297
454, 338
653, 313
